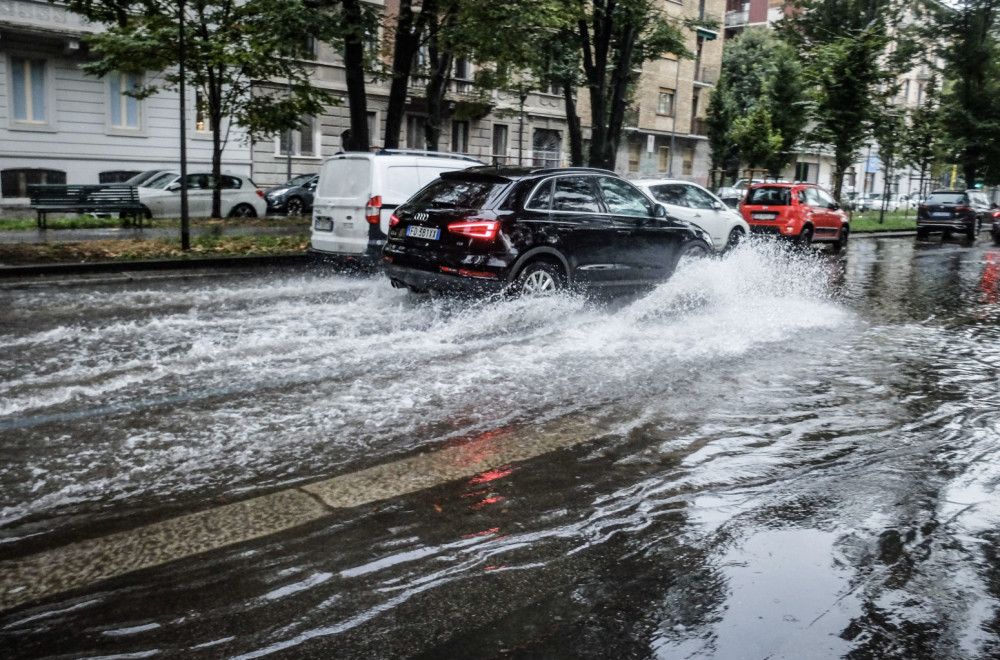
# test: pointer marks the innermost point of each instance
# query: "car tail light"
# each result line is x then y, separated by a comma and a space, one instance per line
996, 214
393, 220
963, 208
260, 194
486, 229
373, 209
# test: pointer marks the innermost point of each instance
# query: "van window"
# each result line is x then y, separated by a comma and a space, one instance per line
401, 181
345, 177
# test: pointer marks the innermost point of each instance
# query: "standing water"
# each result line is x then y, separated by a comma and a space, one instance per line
791, 455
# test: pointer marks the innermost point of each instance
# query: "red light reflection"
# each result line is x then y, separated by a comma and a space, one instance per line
989, 285
488, 500
493, 475
485, 532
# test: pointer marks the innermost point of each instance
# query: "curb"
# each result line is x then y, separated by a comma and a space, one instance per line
162, 264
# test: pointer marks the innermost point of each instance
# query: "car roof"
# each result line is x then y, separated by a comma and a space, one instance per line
779, 184
658, 181
510, 173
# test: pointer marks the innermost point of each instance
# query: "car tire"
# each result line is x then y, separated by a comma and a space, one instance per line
805, 237
691, 251
973, 231
243, 211
539, 278
996, 238
841, 242
294, 206
923, 234
736, 236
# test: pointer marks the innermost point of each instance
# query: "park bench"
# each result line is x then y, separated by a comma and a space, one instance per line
86, 198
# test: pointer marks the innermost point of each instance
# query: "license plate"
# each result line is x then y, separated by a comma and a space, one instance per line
765, 216
430, 233
941, 214
323, 224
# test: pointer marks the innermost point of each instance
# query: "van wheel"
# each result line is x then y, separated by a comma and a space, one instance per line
973, 232
540, 278
243, 211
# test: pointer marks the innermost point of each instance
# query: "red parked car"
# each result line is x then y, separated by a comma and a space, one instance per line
802, 212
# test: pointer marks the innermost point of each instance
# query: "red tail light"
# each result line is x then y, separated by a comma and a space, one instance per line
393, 220
922, 207
259, 193
963, 208
996, 214
373, 210
486, 229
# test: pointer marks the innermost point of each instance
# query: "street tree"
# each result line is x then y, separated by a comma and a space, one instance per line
244, 58
922, 144
617, 37
757, 70
758, 142
850, 68
970, 99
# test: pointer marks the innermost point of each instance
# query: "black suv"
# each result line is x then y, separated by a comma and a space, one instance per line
946, 211
531, 231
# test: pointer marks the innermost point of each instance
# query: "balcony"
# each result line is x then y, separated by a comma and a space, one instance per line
705, 75
737, 18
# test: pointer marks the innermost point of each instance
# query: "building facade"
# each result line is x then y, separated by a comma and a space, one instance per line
59, 125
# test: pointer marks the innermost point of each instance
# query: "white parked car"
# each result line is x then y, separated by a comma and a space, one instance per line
689, 201
241, 198
358, 191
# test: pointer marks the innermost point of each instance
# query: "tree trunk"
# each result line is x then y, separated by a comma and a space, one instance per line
408, 33
437, 86
595, 61
573, 126
620, 79
354, 59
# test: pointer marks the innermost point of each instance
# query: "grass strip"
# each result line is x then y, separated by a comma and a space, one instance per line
15, 254
91, 222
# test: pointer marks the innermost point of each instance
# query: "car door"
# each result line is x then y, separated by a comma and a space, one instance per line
828, 214
708, 213
645, 245
811, 210
580, 228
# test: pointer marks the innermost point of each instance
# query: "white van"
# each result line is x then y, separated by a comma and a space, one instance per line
357, 193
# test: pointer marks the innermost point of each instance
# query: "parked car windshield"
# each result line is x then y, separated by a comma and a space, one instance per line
457, 193
300, 180
770, 195
161, 181
949, 199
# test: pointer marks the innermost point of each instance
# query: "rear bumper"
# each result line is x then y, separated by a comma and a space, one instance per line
423, 280
943, 224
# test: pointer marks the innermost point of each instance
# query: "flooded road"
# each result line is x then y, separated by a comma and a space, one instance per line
772, 455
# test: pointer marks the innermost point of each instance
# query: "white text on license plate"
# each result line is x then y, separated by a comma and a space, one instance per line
430, 233
765, 216
941, 214
323, 224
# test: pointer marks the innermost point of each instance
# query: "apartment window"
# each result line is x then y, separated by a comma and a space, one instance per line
460, 137
687, 164
301, 141
920, 93
416, 137
116, 176
14, 182
201, 112
634, 155
499, 143
663, 165
373, 137
801, 171
28, 90
546, 145
462, 69
665, 106
124, 108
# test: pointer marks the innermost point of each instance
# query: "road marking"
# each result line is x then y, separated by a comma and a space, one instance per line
88, 562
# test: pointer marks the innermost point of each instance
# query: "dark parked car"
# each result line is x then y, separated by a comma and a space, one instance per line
294, 197
532, 231
947, 211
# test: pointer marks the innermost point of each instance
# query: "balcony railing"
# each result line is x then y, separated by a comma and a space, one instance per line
734, 18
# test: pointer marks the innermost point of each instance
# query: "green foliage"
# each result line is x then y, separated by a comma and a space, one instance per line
970, 99
850, 67
757, 70
753, 134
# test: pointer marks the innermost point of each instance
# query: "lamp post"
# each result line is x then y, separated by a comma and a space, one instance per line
185, 220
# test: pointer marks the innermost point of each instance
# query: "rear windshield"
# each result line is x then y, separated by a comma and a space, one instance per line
457, 193
345, 178
950, 199
771, 196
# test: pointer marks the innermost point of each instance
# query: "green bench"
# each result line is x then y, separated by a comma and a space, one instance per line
86, 198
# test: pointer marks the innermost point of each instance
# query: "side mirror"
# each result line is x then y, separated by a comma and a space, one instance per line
174, 187
835, 206
718, 206
659, 211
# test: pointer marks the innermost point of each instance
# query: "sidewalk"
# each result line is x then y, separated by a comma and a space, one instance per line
127, 233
